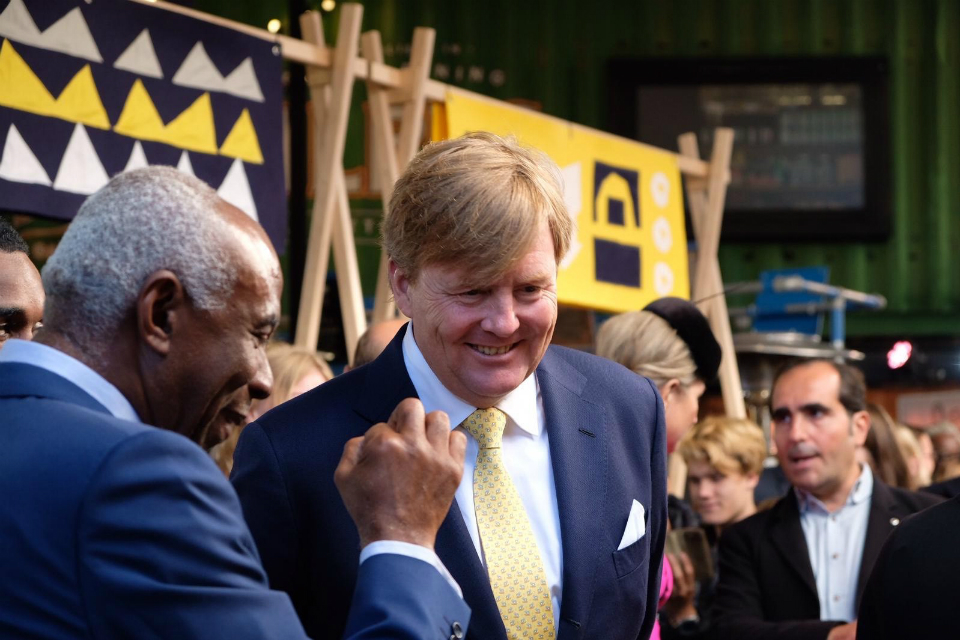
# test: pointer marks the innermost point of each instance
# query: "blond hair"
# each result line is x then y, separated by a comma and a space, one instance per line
646, 344
478, 200
729, 445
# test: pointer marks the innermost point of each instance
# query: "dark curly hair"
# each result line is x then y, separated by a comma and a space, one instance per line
10, 240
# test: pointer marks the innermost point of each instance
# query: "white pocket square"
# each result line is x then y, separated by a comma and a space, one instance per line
636, 527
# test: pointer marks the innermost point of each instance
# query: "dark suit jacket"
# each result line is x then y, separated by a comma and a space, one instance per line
946, 489
114, 529
606, 434
767, 588
912, 592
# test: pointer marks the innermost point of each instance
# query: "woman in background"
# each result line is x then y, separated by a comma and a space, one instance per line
295, 371
885, 457
670, 342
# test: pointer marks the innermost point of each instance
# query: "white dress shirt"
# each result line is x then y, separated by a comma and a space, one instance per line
835, 543
98, 388
526, 455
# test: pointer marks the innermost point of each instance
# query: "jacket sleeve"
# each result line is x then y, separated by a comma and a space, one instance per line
403, 598
163, 550
658, 515
738, 612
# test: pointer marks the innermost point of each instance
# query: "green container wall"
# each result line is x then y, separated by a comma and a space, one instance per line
555, 53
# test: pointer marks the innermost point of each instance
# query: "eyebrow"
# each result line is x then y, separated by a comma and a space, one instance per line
7, 313
806, 408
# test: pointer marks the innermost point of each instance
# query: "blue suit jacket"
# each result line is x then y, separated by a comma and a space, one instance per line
607, 446
113, 529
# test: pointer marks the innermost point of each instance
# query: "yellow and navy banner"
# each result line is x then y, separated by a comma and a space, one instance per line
90, 89
626, 198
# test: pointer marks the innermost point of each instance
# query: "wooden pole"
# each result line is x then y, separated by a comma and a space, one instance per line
394, 156
331, 116
706, 199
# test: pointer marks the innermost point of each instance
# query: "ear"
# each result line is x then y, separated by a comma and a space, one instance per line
668, 390
860, 426
400, 284
752, 479
160, 301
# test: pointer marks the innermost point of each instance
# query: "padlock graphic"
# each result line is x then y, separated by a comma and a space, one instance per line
616, 230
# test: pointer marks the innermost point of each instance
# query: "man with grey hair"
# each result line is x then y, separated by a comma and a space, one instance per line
21, 293
559, 522
161, 299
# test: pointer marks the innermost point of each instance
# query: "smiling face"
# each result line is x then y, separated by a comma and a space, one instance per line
720, 498
483, 339
816, 437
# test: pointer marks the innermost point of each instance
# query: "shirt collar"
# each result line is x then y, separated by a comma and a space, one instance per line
55, 361
862, 490
520, 404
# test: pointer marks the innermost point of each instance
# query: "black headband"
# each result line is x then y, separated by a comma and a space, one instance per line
694, 330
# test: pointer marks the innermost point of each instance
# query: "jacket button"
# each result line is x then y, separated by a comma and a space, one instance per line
894, 521
457, 632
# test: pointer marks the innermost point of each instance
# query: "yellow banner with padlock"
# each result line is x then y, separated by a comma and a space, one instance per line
626, 198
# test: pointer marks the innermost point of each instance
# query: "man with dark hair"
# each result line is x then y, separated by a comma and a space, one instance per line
798, 569
21, 291
161, 298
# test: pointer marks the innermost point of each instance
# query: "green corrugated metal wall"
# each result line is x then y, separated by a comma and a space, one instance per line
555, 53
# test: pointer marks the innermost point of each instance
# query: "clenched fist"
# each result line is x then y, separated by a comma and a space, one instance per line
399, 479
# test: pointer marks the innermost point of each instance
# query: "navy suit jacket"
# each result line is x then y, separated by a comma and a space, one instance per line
607, 446
114, 529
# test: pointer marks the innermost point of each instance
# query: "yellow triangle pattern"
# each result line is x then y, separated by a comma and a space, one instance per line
20, 88
193, 129
140, 118
242, 141
80, 101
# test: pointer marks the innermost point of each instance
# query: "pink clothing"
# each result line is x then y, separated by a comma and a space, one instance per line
666, 589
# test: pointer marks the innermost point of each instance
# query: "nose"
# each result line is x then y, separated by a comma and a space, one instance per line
261, 384
798, 429
500, 316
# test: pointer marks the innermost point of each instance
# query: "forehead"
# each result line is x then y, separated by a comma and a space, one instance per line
808, 383
537, 264
259, 281
20, 284
700, 469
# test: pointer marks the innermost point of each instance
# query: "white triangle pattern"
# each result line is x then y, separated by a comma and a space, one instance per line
242, 82
185, 166
235, 189
80, 169
17, 24
198, 71
19, 163
71, 35
138, 159
140, 57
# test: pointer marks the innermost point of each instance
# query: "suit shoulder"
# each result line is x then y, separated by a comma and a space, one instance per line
756, 525
600, 371
913, 500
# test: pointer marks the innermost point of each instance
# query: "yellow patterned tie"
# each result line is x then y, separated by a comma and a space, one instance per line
513, 560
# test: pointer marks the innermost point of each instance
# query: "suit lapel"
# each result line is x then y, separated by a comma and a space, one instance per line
387, 383
19, 380
578, 461
883, 509
787, 536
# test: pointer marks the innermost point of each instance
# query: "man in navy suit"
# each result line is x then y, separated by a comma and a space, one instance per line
476, 230
160, 300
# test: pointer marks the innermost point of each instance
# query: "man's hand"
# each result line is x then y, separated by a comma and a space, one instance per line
399, 479
844, 632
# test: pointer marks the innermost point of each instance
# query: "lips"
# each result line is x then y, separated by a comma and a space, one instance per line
492, 351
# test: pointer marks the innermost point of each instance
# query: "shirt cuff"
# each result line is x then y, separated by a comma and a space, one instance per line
411, 551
